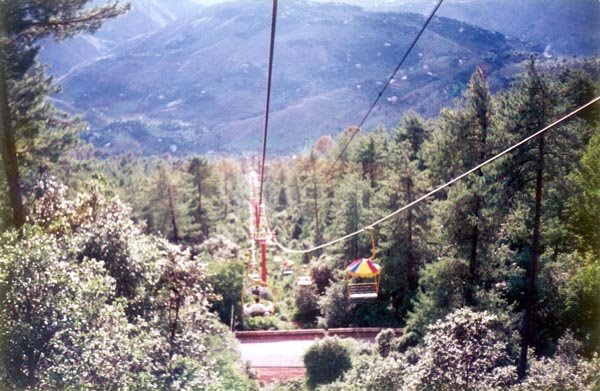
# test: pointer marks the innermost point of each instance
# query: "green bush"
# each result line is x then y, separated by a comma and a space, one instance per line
306, 304
226, 280
384, 341
326, 361
262, 323
336, 307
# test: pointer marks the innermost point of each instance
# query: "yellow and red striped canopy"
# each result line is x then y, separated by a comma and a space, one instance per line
363, 267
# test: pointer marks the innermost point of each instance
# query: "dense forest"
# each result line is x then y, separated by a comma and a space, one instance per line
126, 272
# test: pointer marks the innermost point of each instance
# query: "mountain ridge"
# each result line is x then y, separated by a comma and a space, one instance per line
196, 85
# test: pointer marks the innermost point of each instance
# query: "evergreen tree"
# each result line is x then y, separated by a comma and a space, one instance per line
350, 198
583, 289
23, 86
461, 224
171, 207
461, 142
405, 237
208, 195
533, 180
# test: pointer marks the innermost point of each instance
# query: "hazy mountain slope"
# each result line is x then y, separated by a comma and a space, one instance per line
145, 16
198, 84
568, 26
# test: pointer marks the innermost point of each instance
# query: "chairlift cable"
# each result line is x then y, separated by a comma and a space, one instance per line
267, 104
441, 187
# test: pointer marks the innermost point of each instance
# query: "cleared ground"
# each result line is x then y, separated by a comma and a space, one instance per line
276, 361
278, 355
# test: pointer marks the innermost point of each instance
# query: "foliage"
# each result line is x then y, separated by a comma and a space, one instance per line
384, 342
263, 323
219, 248
226, 280
35, 134
325, 361
469, 351
290, 385
306, 304
94, 303
567, 370
441, 292
585, 204
335, 305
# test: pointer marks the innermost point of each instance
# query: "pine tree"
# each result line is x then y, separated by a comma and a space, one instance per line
460, 225
533, 180
23, 87
404, 238
583, 289
350, 201
170, 209
208, 195
462, 141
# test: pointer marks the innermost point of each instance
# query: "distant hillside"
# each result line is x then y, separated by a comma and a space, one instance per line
198, 84
567, 27
145, 17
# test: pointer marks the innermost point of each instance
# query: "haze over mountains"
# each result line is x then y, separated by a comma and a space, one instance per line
178, 77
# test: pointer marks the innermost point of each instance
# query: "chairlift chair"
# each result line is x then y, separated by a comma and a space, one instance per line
305, 279
363, 275
253, 274
259, 308
287, 267
260, 304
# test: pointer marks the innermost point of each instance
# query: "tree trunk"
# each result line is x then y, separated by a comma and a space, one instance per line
472, 278
528, 327
482, 116
174, 327
8, 150
410, 261
316, 203
173, 218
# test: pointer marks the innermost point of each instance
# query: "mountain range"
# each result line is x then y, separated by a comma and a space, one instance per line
178, 77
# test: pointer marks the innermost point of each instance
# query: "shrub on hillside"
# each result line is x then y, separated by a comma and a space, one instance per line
467, 350
326, 361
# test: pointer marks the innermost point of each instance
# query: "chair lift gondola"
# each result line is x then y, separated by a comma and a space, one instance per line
287, 267
305, 279
257, 296
260, 305
362, 275
253, 275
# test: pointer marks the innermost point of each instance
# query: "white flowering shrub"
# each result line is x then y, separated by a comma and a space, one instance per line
58, 328
567, 370
58, 214
374, 373
467, 350
220, 248
183, 321
133, 259
93, 303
